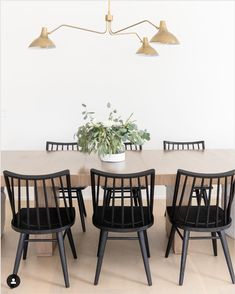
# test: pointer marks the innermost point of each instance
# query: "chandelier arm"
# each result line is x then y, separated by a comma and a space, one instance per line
128, 33
136, 24
78, 28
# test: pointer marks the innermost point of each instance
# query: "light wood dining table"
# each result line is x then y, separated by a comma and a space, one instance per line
165, 163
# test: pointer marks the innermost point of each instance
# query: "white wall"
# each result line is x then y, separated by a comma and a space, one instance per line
186, 93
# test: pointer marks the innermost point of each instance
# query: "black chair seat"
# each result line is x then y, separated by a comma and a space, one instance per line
66, 220
74, 189
124, 189
202, 217
126, 192
103, 218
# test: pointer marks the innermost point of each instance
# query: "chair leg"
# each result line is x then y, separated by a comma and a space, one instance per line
26, 244
71, 242
98, 250
139, 198
19, 252
63, 258
135, 197
214, 243
227, 255
147, 243
170, 241
184, 256
198, 196
108, 197
145, 256
104, 236
205, 198
83, 204
80, 206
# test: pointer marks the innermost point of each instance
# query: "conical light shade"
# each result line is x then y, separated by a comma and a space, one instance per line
164, 36
42, 41
146, 48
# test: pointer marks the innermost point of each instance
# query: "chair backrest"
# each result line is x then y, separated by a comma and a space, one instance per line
32, 196
132, 147
114, 194
195, 145
61, 146
217, 209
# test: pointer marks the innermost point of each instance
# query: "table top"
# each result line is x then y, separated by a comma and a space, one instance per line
165, 163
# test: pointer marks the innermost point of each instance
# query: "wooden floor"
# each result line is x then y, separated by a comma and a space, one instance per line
123, 269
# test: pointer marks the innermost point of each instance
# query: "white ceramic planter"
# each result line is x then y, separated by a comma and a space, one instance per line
113, 157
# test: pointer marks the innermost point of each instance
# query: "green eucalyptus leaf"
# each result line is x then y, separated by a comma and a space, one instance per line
96, 137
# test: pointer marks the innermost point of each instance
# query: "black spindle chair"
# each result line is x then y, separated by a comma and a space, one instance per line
129, 147
132, 147
31, 199
122, 215
76, 191
193, 145
214, 217
61, 146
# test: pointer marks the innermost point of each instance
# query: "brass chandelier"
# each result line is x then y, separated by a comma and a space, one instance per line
162, 36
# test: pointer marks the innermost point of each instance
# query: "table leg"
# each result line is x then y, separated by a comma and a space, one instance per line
45, 248
177, 242
3, 209
230, 231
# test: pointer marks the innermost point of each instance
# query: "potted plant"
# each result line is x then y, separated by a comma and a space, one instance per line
107, 138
